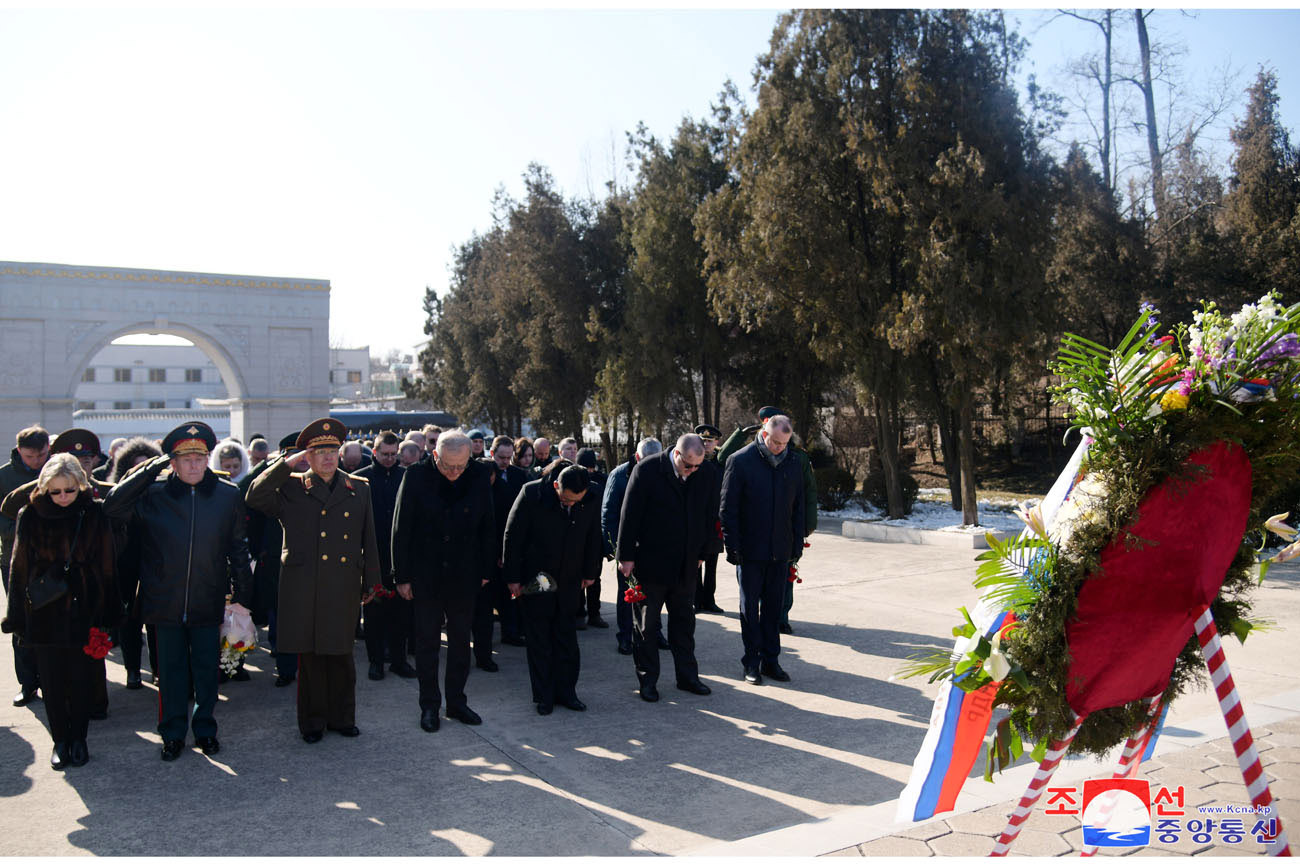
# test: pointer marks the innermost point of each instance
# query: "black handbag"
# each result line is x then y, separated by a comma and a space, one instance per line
52, 585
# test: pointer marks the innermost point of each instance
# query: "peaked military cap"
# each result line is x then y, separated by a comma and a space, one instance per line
708, 431
323, 433
476, 434
290, 441
768, 412
192, 437
78, 442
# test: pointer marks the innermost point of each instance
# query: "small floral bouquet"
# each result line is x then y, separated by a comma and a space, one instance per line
377, 592
633, 593
98, 644
238, 636
793, 576
543, 582
1149, 410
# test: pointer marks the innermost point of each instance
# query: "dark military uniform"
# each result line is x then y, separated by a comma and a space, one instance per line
331, 555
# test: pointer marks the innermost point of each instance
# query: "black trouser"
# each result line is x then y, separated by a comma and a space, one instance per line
507, 606
67, 682
552, 647
762, 595
187, 657
430, 615
708, 582
679, 597
133, 646
286, 664
25, 669
327, 692
385, 630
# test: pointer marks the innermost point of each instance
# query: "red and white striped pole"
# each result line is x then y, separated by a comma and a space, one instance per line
1238, 729
1055, 752
1129, 761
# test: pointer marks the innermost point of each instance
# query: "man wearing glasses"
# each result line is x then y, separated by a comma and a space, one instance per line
444, 549
664, 529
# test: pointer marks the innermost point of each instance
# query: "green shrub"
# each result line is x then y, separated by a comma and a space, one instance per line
874, 489
834, 487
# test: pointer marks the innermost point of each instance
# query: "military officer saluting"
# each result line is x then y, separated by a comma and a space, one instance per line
331, 555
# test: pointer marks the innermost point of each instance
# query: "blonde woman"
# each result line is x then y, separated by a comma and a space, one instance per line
62, 584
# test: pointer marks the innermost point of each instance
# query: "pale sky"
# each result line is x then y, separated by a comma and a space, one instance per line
361, 146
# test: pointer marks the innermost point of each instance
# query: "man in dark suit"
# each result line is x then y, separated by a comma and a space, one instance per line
611, 506
663, 536
762, 530
707, 585
387, 619
507, 480
553, 531
444, 549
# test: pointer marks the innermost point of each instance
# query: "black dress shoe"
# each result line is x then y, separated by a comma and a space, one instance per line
78, 754
209, 745
429, 720
241, 676
98, 715
404, 670
649, 693
624, 647
489, 666
574, 704
514, 640
133, 680
776, 672
695, 688
313, 736
710, 607
464, 714
545, 709
348, 731
784, 628
581, 624
753, 677
172, 749
663, 643
376, 671
597, 622
24, 697
59, 758
283, 680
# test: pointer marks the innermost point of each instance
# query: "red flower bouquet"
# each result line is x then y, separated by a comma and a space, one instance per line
98, 644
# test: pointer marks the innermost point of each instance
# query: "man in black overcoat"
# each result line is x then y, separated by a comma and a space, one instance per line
507, 480
388, 620
663, 536
444, 549
553, 530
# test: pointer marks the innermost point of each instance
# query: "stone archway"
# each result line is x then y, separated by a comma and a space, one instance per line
269, 338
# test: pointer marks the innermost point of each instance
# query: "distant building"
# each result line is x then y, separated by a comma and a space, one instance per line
350, 373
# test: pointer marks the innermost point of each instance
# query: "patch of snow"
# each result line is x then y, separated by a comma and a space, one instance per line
937, 516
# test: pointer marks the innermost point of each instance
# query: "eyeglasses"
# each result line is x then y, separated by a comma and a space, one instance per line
60, 491
450, 468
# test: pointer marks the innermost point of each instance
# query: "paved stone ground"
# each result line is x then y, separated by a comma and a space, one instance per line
806, 768
1208, 774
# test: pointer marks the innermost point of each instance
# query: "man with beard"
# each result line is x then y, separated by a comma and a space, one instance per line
388, 620
193, 548
444, 548
663, 536
552, 552
331, 555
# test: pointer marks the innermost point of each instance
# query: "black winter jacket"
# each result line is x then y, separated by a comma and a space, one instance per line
192, 544
384, 484
762, 508
444, 539
44, 532
541, 537
666, 525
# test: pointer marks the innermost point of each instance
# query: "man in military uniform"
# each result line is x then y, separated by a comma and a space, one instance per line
707, 582
193, 547
331, 555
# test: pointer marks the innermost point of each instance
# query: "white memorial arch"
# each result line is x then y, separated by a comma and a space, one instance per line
268, 336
